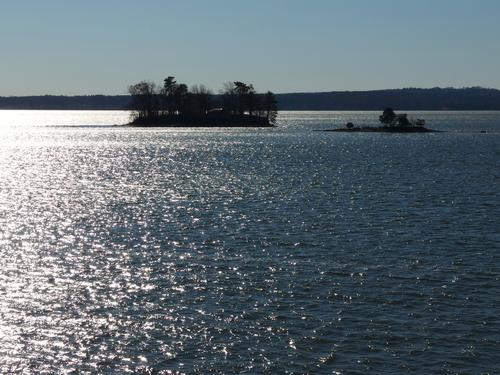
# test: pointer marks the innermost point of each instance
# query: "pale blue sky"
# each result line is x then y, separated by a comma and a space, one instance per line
100, 46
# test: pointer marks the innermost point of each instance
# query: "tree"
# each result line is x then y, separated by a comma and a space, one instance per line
246, 97
180, 94
144, 99
253, 103
173, 102
270, 107
199, 100
229, 98
168, 92
388, 117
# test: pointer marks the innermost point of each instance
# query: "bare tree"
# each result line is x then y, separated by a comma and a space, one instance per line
200, 100
229, 97
144, 99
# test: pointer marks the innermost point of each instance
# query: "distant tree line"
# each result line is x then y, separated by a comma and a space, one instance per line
61, 102
173, 99
471, 99
474, 98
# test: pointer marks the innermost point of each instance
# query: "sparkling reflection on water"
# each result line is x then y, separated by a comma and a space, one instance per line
246, 251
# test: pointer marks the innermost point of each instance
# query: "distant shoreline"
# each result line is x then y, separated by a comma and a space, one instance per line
435, 99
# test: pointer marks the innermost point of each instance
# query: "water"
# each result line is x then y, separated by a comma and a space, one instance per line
249, 251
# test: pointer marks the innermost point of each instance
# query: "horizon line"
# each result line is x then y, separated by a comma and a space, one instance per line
284, 92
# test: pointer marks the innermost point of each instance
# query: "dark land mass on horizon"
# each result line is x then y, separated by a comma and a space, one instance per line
479, 99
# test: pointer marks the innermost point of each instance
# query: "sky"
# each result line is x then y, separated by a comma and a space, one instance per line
102, 46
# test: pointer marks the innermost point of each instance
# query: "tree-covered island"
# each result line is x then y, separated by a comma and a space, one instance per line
175, 105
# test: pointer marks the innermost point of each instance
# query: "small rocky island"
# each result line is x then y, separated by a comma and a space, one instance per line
174, 105
391, 123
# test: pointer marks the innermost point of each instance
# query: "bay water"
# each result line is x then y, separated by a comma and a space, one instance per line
253, 251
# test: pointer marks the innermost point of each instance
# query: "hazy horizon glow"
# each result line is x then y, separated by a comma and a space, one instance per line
96, 47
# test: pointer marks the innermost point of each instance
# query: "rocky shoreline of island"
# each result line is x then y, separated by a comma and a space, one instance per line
212, 120
383, 129
391, 122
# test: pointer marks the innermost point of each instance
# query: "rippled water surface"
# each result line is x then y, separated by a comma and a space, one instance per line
249, 251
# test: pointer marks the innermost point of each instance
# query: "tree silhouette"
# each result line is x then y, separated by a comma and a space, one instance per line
270, 107
169, 87
388, 116
144, 99
230, 98
180, 95
199, 99
174, 103
244, 92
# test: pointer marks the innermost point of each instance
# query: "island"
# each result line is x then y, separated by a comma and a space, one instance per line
175, 105
391, 123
